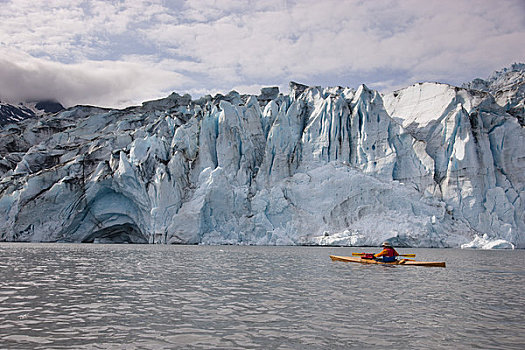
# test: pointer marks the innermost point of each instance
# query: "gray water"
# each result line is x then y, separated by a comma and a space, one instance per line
69, 296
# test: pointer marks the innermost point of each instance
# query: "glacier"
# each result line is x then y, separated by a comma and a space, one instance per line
430, 165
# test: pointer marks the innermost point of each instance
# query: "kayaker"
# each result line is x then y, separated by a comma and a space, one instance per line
388, 254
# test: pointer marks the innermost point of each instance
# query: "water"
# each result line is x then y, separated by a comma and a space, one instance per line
55, 296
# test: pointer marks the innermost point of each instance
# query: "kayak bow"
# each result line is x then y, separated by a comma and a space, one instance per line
399, 262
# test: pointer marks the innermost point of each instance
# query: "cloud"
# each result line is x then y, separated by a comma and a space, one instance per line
217, 45
103, 83
309, 40
74, 30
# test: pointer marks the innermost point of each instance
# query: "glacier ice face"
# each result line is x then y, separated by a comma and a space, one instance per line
427, 166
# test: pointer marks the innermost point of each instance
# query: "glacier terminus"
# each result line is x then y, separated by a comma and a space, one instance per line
430, 165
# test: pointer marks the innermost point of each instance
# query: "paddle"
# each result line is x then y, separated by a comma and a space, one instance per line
407, 255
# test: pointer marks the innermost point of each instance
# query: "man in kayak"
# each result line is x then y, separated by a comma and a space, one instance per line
388, 254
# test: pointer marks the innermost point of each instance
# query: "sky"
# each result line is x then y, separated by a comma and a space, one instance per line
117, 53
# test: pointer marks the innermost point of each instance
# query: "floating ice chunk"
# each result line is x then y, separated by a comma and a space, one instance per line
484, 242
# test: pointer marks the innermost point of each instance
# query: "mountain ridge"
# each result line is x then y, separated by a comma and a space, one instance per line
13, 113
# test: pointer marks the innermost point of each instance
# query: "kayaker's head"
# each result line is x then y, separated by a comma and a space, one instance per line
386, 244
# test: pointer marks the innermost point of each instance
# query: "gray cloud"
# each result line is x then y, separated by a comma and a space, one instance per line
105, 83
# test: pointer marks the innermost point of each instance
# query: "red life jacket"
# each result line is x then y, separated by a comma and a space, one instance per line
390, 252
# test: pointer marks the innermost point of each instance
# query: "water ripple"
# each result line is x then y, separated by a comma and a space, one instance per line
165, 297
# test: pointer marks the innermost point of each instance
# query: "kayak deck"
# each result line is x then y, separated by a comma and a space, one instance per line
399, 262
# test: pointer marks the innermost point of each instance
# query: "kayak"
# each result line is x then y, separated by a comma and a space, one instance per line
399, 262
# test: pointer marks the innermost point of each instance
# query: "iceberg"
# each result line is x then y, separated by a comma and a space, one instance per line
484, 242
431, 165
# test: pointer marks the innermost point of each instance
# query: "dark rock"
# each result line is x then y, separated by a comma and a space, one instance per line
268, 93
49, 106
297, 89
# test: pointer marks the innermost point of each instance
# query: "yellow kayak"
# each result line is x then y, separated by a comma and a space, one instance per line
399, 262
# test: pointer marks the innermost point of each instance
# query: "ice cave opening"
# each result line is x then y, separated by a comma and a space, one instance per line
123, 233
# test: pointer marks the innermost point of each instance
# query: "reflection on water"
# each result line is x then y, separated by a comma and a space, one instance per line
55, 296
